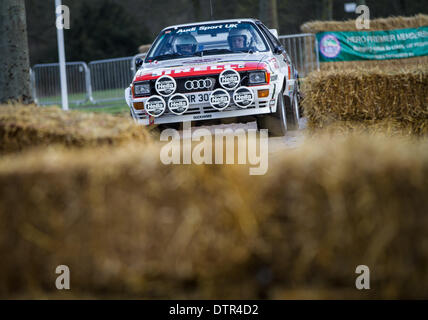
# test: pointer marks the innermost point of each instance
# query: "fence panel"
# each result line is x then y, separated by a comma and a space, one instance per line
110, 77
47, 88
303, 51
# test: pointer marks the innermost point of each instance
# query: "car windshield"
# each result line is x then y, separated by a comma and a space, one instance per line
207, 39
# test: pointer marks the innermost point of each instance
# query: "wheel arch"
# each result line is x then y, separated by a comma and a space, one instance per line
284, 85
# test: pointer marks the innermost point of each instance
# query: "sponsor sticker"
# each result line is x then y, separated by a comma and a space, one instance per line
229, 79
219, 99
155, 106
243, 97
330, 46
165, 86
198, 68
178, 104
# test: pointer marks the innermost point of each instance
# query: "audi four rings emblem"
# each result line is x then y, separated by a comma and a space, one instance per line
198, 84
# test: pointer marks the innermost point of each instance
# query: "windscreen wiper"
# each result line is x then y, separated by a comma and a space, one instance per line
166, 56
199, 53
217, 51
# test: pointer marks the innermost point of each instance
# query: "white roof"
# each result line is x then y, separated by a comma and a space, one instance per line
212, 21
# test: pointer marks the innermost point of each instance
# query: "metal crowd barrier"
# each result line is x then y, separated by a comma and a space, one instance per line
303, 51
105, 80
46, 83
110, 77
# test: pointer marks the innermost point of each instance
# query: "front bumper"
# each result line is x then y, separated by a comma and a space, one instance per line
204, 111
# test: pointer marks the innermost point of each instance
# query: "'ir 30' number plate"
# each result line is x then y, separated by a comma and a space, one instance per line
199, 98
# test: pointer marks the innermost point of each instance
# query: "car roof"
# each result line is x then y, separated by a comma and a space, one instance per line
212, 21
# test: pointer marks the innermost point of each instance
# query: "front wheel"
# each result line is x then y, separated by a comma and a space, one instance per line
276, 123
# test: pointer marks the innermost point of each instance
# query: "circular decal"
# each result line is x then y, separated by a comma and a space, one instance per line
243, 97
155, 106
229, 79
219, 99
165, 86
330, 46
178, 104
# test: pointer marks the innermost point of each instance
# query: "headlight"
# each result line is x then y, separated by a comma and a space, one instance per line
142, 89
257, 77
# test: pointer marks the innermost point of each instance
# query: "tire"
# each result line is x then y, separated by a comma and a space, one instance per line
276, 123
292, 112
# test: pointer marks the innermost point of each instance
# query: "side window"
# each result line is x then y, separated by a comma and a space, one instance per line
271, 45
274, 41
258, 39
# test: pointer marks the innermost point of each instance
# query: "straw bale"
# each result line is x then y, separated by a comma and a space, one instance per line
368, 95
390, 23
129, 226
28, 126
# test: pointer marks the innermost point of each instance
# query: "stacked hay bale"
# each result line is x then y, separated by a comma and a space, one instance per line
28, 126
377, 95
416, 21
388, 100
128, 226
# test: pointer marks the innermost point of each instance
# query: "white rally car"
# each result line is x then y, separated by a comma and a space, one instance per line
213, 70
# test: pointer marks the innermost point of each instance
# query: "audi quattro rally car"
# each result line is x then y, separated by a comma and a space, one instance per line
213, 70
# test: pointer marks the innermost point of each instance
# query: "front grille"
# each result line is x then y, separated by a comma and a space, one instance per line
182, 81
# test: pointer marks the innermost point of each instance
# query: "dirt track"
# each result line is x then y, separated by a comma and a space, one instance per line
292, 139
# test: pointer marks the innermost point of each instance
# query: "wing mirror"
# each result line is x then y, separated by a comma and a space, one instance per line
278, 50
138, 62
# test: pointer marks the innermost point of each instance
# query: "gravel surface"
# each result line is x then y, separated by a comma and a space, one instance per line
292, 139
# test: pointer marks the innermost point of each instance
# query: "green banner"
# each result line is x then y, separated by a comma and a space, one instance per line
372, 45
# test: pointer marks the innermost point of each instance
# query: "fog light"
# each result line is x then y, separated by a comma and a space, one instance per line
263, 93
139, 105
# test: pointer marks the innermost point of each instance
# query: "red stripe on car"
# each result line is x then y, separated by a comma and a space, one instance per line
201, 70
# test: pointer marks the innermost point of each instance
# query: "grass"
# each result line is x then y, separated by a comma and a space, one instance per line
113, 107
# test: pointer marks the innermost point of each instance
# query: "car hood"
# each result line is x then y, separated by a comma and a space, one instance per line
157, 68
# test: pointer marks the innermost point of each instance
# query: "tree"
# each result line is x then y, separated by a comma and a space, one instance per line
274, 15
102, 30
327, 9
14, 56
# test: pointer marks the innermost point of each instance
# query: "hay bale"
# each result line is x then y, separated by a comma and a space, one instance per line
129, 226
144, 48
342, 204
367, 95
390, 23
28, 126
387, 127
